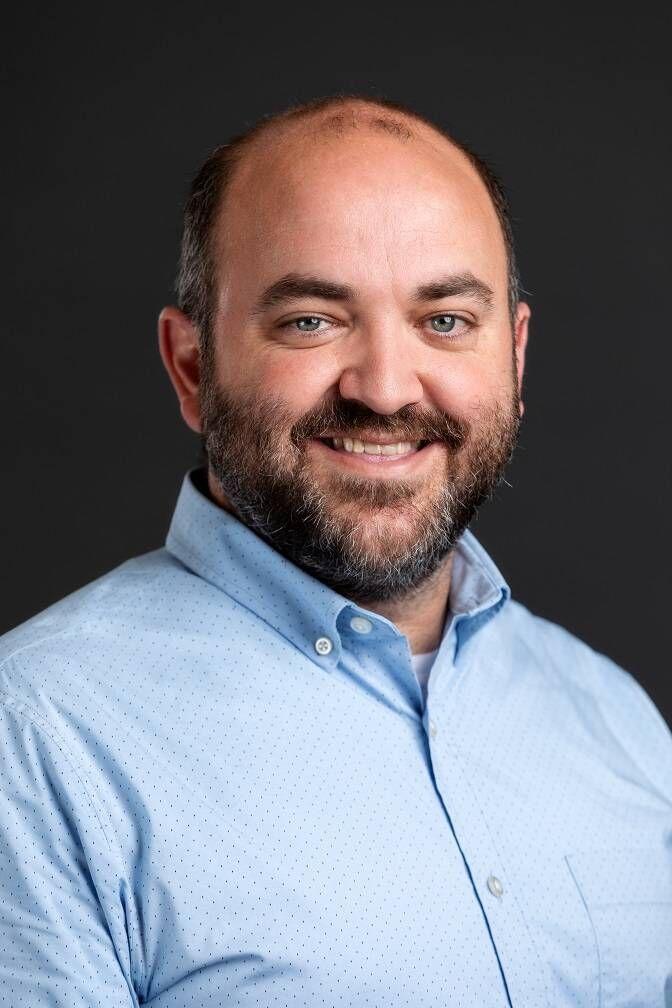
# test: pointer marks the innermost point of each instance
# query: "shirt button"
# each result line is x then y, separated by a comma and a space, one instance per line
361, 625
432, 728
323, 645
495, 886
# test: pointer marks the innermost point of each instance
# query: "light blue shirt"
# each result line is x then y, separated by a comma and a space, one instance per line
220, 786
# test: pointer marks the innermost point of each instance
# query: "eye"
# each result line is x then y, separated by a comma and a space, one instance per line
305, 324
444, 323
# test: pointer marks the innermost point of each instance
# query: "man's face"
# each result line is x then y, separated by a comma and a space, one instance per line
361, 396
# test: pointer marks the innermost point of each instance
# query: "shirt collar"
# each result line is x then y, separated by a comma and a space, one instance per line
477, 590
221, 549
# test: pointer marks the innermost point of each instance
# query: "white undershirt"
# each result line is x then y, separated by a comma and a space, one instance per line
422, 666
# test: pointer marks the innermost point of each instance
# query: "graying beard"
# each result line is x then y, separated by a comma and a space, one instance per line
333, 554
321, 544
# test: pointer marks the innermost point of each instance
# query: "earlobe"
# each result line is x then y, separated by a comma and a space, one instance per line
179, 348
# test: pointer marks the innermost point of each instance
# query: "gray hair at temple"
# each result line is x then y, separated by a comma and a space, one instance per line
196, 286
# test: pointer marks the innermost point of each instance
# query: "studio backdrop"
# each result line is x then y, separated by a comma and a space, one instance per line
110, 114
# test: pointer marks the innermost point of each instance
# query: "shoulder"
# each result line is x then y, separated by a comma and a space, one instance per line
94, 605
592, 688
104, 627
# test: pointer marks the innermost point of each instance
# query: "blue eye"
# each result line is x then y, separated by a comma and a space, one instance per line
443, 323
309, 323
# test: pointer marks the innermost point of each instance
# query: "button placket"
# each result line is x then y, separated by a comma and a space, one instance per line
505, 918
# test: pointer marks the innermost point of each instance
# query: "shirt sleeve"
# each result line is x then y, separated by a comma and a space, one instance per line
56, 943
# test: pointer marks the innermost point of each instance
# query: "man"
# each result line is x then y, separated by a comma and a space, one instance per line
312, 753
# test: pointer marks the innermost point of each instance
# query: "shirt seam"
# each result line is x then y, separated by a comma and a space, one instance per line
19, 708
9, 658
592, 927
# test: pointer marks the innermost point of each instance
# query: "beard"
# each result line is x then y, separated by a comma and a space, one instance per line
370, 539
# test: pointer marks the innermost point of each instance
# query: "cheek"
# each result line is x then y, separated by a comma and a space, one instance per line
464, 386
300, 379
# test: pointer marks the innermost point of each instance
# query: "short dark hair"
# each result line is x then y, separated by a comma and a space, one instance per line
196, 277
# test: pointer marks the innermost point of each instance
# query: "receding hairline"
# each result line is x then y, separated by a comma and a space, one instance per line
334, 115
337, 117
331, 120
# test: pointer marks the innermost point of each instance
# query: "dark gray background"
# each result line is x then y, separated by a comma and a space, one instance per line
109, 115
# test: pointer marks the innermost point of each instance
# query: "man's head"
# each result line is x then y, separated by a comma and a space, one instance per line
348, 273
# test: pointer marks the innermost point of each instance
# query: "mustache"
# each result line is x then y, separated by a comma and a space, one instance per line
409, 423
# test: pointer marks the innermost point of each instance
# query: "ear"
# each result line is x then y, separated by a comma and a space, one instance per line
520, 334
179, 347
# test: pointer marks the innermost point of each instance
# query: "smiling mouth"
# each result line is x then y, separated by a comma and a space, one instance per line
359, 454
353, 446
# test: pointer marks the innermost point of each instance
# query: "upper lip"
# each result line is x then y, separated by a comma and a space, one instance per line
381, 439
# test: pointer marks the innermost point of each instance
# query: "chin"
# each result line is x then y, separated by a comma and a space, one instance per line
386, 531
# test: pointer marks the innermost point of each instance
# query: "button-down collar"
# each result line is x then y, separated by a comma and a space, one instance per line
224, 551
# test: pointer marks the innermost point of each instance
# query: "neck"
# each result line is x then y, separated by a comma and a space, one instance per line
420, 614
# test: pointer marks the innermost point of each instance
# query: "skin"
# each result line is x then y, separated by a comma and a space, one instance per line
385, 216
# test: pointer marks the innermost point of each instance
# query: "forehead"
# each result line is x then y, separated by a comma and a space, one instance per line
359, 205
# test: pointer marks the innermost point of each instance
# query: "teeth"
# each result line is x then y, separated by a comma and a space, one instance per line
355, 445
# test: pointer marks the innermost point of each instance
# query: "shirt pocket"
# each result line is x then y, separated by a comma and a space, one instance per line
628, 898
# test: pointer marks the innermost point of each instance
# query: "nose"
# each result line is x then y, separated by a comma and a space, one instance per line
384, 373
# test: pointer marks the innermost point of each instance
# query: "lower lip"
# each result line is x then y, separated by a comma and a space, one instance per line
361, 462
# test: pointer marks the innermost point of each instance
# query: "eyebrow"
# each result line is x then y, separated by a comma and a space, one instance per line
294, 286
454, 285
